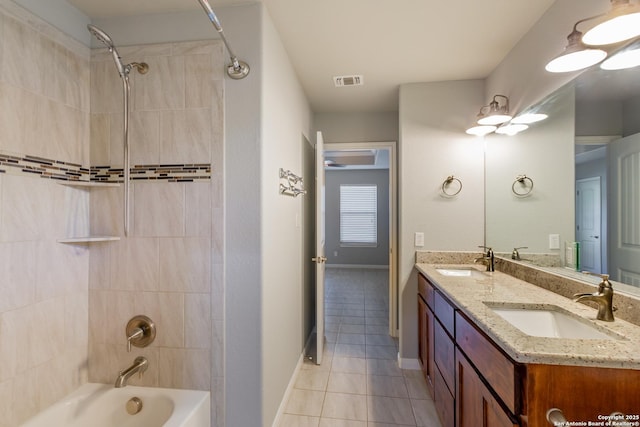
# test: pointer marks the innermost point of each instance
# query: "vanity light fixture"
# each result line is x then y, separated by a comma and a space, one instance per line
481, 130
576, 54
626, 58
528, 118
621, 23
496, 114
511, 129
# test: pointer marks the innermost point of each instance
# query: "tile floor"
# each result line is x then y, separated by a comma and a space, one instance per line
359, 383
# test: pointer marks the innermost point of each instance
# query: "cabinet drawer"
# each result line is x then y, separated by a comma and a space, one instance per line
426, 290
444, 402
445, 355
493, 365
445, 312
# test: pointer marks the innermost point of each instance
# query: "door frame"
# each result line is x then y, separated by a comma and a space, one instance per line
393, 218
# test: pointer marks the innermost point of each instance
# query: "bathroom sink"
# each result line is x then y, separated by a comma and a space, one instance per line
552, 322
460, 272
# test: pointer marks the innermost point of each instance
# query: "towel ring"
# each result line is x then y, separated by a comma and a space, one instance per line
522, 179
446, 184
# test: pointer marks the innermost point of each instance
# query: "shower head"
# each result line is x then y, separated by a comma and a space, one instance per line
101, 35
104, 38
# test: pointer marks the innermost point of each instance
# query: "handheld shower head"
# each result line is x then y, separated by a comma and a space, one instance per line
104, 38
101, 35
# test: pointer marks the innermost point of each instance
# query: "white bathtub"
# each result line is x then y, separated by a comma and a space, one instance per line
102, 405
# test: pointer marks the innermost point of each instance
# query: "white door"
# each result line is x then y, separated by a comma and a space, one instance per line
588, 224
320, 257
623, 158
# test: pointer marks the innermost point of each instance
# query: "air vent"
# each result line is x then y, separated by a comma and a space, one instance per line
341, 81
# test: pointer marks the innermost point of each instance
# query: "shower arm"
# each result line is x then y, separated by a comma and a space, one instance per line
237, 69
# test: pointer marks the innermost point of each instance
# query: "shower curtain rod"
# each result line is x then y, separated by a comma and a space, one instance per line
237, 69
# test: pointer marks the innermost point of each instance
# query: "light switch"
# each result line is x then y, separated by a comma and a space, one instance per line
554, 241
418, 239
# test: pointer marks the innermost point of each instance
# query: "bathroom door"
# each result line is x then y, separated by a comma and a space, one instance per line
588, 224
320, 258
623, 158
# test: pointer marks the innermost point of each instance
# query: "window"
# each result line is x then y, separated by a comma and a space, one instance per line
359, 215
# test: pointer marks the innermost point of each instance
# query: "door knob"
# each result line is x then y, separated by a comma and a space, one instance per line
595, 237
319, 260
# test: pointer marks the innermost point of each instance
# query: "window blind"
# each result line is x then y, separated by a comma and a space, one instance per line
359, 215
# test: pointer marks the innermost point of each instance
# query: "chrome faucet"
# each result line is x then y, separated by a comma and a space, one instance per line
603, 297
140, 364
488, 259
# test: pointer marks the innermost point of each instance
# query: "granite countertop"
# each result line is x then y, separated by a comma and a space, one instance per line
470, 294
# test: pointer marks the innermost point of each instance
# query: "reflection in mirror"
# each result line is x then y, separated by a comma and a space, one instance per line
600, 112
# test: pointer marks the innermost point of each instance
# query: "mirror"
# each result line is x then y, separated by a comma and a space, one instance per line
584, 162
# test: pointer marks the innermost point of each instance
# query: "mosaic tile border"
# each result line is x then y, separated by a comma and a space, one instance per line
170, 173
45, 168
66, 171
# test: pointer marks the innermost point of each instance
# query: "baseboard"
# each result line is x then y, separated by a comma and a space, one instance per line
411, 364
365, 267
288, 391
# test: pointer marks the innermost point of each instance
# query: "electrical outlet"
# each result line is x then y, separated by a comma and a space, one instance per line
335, 253
554, 241
418, 239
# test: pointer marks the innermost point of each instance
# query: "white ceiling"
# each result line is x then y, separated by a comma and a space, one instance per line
389, 42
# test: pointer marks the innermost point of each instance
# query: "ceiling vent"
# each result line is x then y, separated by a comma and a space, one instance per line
341, 81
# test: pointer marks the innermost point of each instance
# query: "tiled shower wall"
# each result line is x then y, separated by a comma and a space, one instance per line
44, 116
63, 307
170, 266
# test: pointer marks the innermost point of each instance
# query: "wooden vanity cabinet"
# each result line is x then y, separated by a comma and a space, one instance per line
476, 405
425, 331
475, 383
464, 394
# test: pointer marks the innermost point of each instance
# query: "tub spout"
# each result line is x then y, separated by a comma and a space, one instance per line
140, 364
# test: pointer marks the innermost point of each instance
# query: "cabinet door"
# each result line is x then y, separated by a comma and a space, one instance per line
423, 351
475, 405
425, 342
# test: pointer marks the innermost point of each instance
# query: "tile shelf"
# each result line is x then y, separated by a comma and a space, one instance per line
88, 185
89, 239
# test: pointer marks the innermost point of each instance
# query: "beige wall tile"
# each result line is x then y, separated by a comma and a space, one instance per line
106, 88
158, 209
185, 136
25, 384
197, 324
8, 346
144, 138
18, 275
6, 404
11, 119
107, 211
100, 137
100, 266
76, 321
22, 53
185, 264
78, 81
199, 78
46, 331
134, 264
180, 368
198, 202
217, 349
164, 87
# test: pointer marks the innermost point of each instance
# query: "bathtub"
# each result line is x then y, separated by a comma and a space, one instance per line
102, 405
